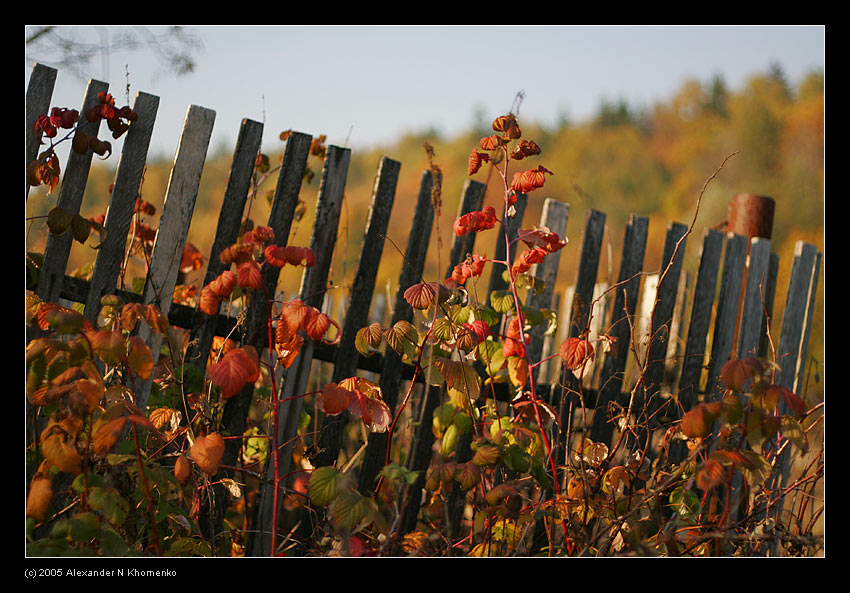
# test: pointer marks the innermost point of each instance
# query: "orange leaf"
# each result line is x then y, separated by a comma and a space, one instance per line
207, 451
182, 469
107, 435
39, 496
192, 259
139, 357
333, 399
109, 345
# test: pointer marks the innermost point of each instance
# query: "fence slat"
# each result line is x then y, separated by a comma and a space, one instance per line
703, 302
360, 298
56, 252
511, 229
175, 217
554, 217
591, 249
625, 303
227, 229
39, 94
662, 319
393, 366
119, 214
312, 292
727, 309
280, 220
753, 321
423, 438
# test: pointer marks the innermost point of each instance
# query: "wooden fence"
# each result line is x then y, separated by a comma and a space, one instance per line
697, 325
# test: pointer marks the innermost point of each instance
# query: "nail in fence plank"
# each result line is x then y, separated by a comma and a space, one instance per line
119, 214
392, 370
39, 93
227, 229
753, 322
312, 292
727, 309
625, 304
71, 190
360, 299
176, 214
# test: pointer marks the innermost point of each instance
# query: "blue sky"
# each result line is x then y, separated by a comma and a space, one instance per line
363, 86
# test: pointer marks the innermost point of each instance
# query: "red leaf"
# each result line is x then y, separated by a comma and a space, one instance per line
209, 302
576, 354
542, 237
236, 369
192, 259
248, 275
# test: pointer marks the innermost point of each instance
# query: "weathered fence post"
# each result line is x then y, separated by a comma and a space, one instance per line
360, 299
420, 454
659, 333
391, 372
37, 102
569, 386
52, 273
312, 292
173, 229
625, 303
119, 214
227, 230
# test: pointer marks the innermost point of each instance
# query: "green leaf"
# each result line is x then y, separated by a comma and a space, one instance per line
685, 502
84, 527
517, 459
449, 441
353, 511
109, 503
325, 484
189, 546
502, 301
760, 469
487, 315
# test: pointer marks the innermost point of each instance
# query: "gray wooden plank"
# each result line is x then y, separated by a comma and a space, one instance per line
119, 214
359, 302
391, 372
421, 448
701, 308
625, 304
554, 216
727, 310
71, 190
752, 315
227, 229
173, 228
39, 94
312, 292
794, 319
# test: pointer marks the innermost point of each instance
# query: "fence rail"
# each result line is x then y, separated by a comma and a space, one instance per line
736, 279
